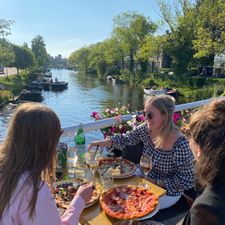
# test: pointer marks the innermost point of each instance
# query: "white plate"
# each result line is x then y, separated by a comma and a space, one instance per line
149, 215
76, 181
125, 176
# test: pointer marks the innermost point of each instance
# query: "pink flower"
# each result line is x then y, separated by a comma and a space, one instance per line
113, 129
140, 118
123, 130
176, 117
94, 114
97, 117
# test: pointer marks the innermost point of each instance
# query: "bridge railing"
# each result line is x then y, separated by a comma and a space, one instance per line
95, 125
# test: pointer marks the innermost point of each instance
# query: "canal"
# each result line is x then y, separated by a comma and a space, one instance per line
84, 95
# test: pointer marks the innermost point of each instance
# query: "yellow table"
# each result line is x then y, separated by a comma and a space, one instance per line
94, 215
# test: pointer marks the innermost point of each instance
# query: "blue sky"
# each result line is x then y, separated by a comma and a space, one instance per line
67, 25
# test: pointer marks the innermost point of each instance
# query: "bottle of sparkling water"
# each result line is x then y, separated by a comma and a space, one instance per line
71, 159
79, 139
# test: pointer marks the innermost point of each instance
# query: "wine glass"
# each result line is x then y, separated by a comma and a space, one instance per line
92, 160
146, 164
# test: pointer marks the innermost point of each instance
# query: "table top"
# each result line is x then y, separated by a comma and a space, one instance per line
94, 215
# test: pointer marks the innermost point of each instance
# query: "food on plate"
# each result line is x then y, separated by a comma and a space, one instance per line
119, 167
66, 190
128, 202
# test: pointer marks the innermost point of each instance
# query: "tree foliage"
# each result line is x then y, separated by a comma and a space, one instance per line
6, 52
130, 29
179, 39
7, 55
24, 57
210, 29
97, 59
80, 59
5, 27
40, 53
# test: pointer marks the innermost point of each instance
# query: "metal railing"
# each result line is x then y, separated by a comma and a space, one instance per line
95, 125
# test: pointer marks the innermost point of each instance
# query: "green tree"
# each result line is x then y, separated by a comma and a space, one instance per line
24, 58
151, 48
80, 59
6, 53
130, 29
113, 53
181, 20
40, 53
5, 27
97, 59
210, 28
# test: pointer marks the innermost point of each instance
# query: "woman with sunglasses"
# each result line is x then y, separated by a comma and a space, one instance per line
206, 132
27, 169
172, 159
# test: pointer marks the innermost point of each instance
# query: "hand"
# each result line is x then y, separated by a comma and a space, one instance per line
85, 191
101, 144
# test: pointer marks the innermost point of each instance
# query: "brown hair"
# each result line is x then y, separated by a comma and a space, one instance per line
30, 146
207, 129
166, 105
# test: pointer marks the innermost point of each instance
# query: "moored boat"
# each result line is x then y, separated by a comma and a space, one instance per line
31, 95
169, 91
150, 91
42, 83
173, 92
59, 86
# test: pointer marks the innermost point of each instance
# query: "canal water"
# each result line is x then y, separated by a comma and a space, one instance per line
84, 95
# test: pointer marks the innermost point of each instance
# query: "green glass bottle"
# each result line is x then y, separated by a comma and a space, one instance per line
79, 139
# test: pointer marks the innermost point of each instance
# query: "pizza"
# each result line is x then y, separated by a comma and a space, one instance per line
66, 190
120, 168
128, 202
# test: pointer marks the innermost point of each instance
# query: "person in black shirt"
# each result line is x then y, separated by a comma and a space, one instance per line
206, 131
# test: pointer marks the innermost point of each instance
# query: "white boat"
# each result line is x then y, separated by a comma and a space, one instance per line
150, 91
109, 78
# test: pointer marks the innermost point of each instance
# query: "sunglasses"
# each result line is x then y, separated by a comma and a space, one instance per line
61, 131
148, 115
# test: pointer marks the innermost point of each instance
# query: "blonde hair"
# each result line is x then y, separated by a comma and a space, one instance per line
30, 144
166, 105
207, 129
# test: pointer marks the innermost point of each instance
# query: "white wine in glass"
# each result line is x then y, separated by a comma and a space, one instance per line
146, 164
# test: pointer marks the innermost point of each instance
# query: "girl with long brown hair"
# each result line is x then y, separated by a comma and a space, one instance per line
27, 165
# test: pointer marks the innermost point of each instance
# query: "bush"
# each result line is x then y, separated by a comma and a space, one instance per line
149, 82
4, 96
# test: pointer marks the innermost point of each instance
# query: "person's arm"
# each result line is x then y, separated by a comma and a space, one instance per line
183, 178
132, 137
120, 141
47, 212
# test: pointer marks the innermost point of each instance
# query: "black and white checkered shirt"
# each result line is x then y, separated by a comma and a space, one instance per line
174, 167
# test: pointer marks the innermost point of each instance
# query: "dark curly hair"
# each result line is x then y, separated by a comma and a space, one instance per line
207, 129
